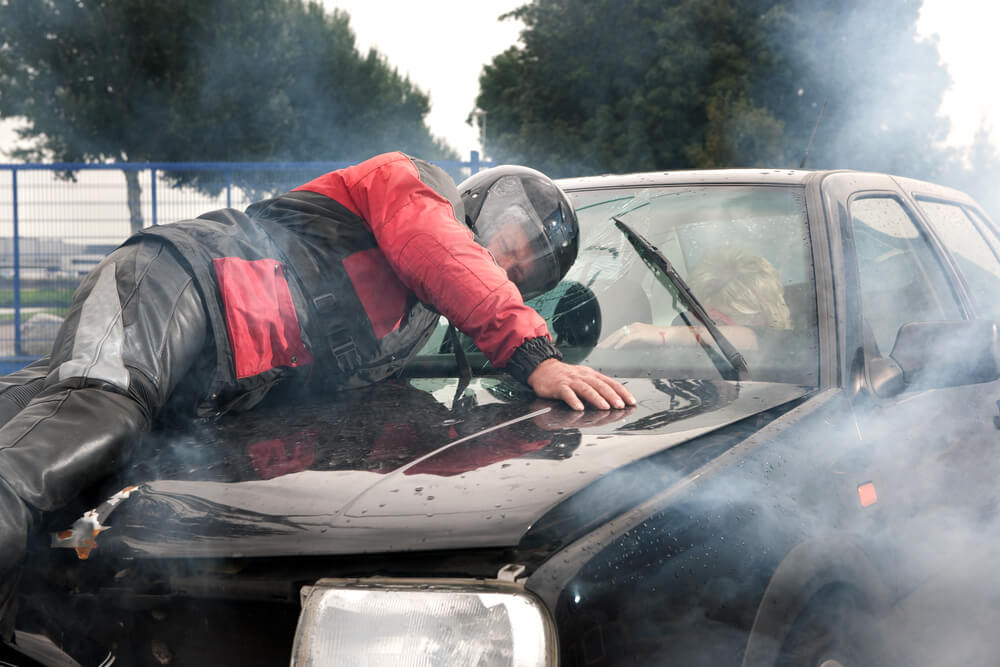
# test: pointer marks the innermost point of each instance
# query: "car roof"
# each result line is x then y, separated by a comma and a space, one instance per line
748, 176
916, 188
755, 176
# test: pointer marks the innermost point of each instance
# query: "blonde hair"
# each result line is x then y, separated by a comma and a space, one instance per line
743, 286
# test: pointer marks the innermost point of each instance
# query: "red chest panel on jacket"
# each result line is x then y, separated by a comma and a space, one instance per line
263, 328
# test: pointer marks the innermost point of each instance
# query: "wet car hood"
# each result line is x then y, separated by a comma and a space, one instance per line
409, 465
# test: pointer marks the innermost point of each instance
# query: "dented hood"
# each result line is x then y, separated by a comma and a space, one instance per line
400, 466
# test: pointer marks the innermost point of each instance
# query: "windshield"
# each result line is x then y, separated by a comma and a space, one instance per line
743, 251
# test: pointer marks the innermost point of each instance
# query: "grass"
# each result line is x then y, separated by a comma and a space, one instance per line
38, 297
6, 318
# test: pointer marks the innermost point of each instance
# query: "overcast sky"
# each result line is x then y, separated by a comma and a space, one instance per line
442, 46
969, 48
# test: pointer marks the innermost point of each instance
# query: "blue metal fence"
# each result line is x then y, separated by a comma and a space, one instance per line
57, 221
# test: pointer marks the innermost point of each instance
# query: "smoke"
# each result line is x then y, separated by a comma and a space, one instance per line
876, 502
914, 567
854, 78
860, 86
687, 559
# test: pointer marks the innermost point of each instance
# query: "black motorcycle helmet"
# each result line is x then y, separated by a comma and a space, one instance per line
526, 221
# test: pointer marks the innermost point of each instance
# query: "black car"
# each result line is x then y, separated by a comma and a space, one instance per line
799, 471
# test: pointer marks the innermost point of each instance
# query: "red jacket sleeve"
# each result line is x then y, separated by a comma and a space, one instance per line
435, 255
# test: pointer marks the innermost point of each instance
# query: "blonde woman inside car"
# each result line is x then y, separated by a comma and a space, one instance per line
741, 291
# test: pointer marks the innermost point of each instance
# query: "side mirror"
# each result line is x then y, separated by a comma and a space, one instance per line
932, 355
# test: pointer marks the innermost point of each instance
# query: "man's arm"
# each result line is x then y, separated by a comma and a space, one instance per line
436, 256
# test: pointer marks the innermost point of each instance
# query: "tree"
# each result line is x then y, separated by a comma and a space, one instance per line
880, 86
201, 80
612, 85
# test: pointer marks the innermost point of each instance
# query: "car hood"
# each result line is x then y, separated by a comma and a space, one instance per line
416, 465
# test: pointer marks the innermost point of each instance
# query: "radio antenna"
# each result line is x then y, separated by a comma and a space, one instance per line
813, 135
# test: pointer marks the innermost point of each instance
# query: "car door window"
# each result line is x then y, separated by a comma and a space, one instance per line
901, 279
975, 259
987, 228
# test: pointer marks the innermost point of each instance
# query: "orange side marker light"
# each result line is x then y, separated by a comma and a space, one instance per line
867, 495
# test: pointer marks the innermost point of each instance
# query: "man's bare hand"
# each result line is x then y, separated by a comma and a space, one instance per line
575, 384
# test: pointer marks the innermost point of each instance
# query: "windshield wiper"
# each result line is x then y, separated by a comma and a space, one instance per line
670, 279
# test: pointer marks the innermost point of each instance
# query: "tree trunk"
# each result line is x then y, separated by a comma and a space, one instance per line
134, 201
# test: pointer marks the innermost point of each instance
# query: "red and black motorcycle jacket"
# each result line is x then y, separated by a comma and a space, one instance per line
346, 276
343, 277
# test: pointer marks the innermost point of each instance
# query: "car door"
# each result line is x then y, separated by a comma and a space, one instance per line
934, 446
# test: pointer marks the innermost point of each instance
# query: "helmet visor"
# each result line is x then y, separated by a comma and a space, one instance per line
511, 229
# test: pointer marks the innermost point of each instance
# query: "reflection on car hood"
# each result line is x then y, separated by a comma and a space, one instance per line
401, 466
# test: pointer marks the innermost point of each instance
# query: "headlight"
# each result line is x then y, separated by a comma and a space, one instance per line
422, 623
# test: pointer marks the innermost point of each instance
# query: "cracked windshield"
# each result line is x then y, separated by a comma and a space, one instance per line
744, 254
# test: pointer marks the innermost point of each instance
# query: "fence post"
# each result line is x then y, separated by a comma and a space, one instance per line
474, 161
229, 189
152, 190
17, 269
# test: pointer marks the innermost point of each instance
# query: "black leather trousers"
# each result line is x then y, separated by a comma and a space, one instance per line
136, 326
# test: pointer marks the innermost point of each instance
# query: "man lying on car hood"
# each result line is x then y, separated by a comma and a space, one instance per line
334, 284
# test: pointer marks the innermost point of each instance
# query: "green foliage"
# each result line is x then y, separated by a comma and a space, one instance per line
630, 85
202, 80
35, 297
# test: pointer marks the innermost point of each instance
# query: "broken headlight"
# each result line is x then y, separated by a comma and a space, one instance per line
422, 622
